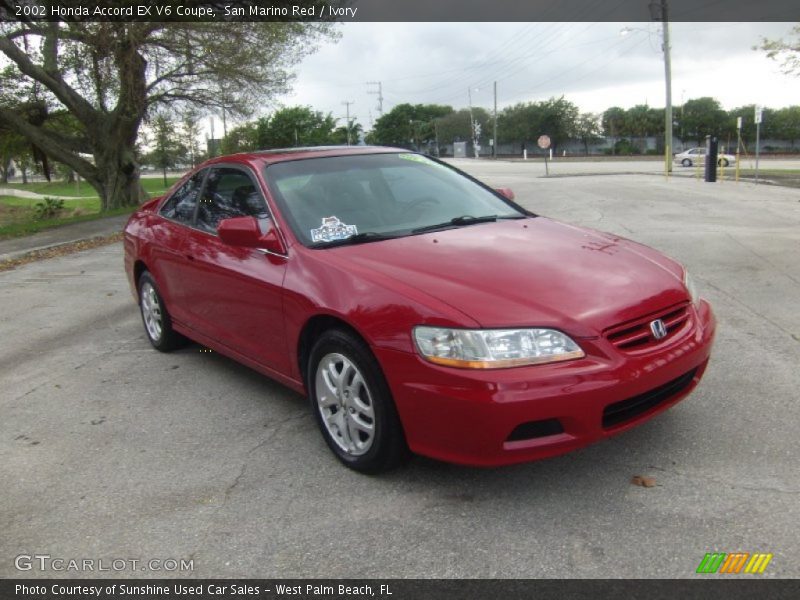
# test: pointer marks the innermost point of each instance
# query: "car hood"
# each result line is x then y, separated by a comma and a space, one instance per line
527, 272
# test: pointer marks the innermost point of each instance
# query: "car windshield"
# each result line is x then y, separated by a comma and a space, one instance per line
361, 198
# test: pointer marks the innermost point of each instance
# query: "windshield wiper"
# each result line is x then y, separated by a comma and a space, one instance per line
464, 220
358, 238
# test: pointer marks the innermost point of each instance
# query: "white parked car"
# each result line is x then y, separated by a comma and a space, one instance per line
698, 156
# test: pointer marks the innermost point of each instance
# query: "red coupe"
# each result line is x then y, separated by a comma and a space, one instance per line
420, 310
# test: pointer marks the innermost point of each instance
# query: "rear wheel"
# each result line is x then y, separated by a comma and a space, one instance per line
723, 162
686, 162
353, 405
156, 319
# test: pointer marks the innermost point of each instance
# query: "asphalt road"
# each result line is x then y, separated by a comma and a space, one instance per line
109, 449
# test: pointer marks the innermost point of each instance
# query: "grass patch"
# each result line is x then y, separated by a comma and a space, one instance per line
17, 215
85, 204
152, 185
16, 221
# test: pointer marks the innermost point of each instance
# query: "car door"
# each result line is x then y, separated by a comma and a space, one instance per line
235, 293
167, 258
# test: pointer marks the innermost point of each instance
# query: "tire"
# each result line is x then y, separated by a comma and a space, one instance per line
723, 162
686, 162
155, 317
352, 404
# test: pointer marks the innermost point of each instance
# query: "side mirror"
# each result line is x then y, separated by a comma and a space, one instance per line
245, 232
508, 193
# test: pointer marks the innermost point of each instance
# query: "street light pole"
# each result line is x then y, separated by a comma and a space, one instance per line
659, 12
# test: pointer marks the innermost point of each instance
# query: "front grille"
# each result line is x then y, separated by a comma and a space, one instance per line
625, 410
636, 334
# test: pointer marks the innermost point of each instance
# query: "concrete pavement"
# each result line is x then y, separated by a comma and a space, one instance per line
110, 449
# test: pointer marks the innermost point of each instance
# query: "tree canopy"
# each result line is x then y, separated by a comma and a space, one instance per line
785, 52
110, 75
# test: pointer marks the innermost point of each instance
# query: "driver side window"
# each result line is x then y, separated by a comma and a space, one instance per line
181, 205
229, 192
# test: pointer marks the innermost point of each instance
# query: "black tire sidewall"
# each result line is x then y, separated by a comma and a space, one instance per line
169, 339
388, 445
686, 162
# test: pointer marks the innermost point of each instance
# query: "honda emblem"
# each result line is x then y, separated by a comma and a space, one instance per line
658, 328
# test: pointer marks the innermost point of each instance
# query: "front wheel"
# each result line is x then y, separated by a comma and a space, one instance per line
723, 162
686, 162
156, 319
353, 405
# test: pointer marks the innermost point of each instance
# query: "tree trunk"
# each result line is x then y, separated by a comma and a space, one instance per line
117, 180
24, 175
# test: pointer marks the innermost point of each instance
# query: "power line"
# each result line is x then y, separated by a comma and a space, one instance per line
379, 93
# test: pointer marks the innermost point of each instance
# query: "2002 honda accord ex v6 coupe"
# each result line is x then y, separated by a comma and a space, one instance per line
420, 310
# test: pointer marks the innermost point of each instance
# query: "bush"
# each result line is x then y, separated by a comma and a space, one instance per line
624, 147
48, 209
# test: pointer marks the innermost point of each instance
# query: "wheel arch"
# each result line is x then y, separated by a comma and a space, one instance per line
312, 329
139, 267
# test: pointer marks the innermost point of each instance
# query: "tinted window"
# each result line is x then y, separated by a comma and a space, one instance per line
182, 203
228, 193
391, 194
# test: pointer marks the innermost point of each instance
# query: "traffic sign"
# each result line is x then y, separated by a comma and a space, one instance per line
543, 142
759, 111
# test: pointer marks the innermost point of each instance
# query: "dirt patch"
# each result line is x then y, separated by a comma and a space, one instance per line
14, 214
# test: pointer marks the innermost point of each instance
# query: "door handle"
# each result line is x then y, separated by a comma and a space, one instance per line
190, 257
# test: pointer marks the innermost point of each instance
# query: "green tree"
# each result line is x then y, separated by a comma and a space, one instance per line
110, 75
168, 151
294, 126
613, 124
642, 121
559, 117
455, 126
587, 129
243, 138
12, 146
701, 117
407, 125
787, 53
786, 124
525, 122
190, 133
340, 134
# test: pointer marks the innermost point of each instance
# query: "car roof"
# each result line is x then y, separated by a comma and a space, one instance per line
285, 154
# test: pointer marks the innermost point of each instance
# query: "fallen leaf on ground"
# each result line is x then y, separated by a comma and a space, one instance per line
61, 250
643, 481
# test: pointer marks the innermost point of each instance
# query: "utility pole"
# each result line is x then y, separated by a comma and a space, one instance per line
347, 103
494, 133
659, 12
379, 93
472, 124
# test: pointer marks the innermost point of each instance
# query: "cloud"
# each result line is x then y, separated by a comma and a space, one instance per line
590, 63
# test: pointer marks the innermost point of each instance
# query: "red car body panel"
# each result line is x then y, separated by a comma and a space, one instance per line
533, 272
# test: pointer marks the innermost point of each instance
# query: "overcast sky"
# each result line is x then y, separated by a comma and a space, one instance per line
591, 64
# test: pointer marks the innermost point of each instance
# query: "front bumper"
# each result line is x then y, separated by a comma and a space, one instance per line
474, 417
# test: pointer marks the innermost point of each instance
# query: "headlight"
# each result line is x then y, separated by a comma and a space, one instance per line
688, 282
494, 348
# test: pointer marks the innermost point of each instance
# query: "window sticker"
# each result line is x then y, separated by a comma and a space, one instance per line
332, 229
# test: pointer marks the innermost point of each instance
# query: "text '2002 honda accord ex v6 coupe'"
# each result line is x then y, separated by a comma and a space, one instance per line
420, 310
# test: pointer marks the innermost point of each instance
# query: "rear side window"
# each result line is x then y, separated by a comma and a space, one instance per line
182, 203
228, 193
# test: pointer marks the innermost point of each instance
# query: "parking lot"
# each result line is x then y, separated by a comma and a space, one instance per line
109, 449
